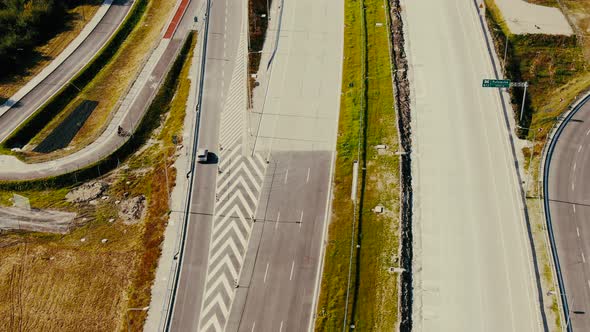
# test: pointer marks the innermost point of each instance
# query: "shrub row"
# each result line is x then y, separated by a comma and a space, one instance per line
28, 129
151, 120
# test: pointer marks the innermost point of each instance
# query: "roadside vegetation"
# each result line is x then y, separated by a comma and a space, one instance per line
553, 65
547, 3
558, 72
105, 81
49, 26
367, 119
257, 25
78, 281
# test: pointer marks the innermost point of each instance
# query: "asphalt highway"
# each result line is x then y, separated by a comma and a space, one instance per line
472, 258
222, 47
297, 130
569, 206
92, 44
277, 286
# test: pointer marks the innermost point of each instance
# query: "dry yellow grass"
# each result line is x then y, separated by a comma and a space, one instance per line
81, 15
112, 82
52, 287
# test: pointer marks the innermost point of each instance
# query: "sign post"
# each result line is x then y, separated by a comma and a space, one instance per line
492, 83
521, 85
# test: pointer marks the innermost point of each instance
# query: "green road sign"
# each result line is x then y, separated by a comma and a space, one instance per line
488, 83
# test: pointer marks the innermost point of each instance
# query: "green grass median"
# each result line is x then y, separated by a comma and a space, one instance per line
367, 119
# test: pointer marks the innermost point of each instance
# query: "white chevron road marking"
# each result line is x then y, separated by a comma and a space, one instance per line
212, 322
228, 243
225, 263
218, 296
236, 230
238, 186
237, 198
231, 190
234, 172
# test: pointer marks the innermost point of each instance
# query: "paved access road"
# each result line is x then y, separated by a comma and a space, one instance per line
569, 207
92, 44
472, 258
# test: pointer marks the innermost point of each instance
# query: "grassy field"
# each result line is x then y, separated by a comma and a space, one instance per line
80, 15
109, 86
374, 299
60, 283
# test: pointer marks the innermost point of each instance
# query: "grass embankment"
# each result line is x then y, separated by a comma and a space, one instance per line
553, 65
76, 19
373, 302
58, 282
110, 84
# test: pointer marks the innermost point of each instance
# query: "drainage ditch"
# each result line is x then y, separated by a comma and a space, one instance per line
402, 105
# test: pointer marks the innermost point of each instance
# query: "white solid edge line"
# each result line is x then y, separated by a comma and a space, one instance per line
320, 268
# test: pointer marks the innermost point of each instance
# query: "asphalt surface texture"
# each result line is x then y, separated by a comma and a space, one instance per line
276, 289
569, 206
78, 59
297, 128
222, 46
472, 256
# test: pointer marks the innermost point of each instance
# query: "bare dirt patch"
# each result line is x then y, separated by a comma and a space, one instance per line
86, 192
132, 210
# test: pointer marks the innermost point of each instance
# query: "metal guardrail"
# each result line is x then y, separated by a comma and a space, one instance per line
190, 174
546, 165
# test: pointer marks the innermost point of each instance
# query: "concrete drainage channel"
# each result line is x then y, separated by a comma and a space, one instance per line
402, 106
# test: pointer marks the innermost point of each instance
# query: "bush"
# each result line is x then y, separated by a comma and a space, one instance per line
25, 24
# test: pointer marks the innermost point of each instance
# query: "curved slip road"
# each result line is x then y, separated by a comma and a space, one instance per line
128, 116
28, 104
568, 196
472, 258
